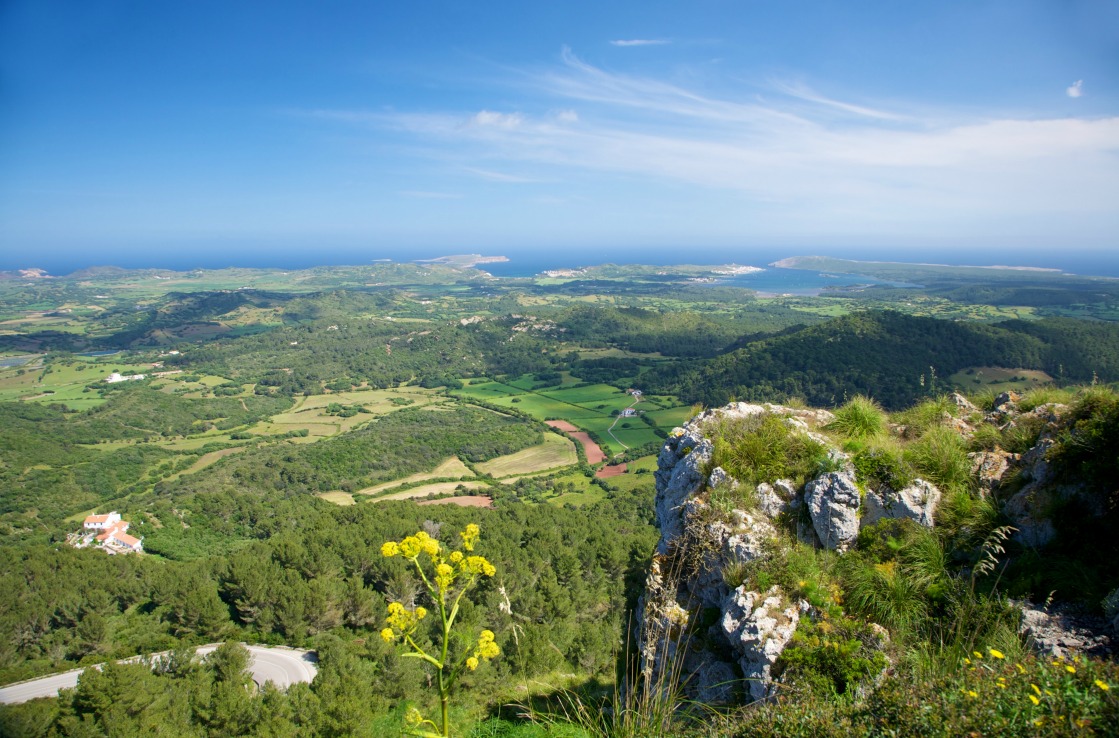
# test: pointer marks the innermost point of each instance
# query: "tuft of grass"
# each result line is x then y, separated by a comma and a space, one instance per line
1039, 396
763, 448
940, 456
860, 417
884, 593
927, 414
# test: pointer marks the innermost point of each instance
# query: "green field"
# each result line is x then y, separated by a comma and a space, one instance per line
452, 468
556, 451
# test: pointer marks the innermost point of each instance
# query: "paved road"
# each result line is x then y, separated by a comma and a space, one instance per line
280, 665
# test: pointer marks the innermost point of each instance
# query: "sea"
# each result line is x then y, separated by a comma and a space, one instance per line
526, 262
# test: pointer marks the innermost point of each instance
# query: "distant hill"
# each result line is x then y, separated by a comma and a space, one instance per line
892, 357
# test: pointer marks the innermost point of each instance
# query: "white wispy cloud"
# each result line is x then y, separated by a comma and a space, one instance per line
792, 148
640, 42
1076, 89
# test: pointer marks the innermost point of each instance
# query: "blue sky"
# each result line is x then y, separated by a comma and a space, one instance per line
243, 129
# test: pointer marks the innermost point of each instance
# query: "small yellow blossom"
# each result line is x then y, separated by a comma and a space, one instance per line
413, 716
995, 653
390, 549
1102, 685
472, 663
421, 613
976, 654
967, 661
1035, 689
972, 693
1039, 722
1070, 668
444, 576
1021, 669
469, 536
1033, 699
387, 635
456, 557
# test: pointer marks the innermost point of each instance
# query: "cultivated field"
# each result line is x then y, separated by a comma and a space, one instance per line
555, 452
452, 468
427, 490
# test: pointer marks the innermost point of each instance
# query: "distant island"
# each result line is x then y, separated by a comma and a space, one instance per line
463, 261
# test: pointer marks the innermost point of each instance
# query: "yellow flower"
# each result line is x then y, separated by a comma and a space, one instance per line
967, 661
1021, 669
478, 565
444, 576
996, 653
413, 716
410, 547
1035, 689
469, 536
421, 613
472, 663
976, 654
1102, 685
1070, 668
1033, 699
456, 557
972, 693
387, 635
487, 649
390, 549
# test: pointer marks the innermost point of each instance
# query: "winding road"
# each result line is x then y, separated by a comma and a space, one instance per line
280, 665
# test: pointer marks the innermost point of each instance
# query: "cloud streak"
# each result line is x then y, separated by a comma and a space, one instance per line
640, 42
791, 147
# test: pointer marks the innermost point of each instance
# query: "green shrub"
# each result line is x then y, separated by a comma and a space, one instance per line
831, 656
883, 465
860, 417
763, 448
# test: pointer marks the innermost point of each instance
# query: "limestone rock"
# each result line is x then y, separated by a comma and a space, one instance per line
758, 627
990, 468
963, 403
833, 503
679, 476
1064, 632
777, 498
917, 502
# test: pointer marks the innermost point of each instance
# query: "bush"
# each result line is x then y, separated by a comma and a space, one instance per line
861, 417
763, 448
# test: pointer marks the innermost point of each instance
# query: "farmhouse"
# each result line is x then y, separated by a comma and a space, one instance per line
110, 533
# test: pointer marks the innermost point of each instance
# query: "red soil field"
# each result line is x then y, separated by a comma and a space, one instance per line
610, 471
594, 453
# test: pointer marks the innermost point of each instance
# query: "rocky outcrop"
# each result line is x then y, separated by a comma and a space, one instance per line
990, 468
918, 502
697, 549
758, 627
833, 503
1064, 631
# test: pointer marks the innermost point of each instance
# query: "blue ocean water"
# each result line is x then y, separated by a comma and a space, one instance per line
526, 262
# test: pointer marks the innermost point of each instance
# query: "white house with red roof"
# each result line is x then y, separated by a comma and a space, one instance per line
103, 522
113, 533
